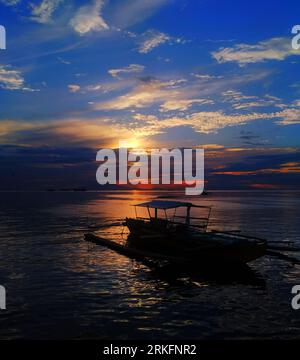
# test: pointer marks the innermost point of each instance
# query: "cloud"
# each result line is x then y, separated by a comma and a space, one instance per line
272, 97
212, 147
63, 61
152, 40
241, 101
265, 186
96, 131
42, 13
89, 18
144, 94
183, 105
89, 131
206, 76
11, 79
95, 87
12, 126
166, 92
203, 122
128, 13
170, 94
236, 96
297, 103
272, 49
10, 2
291, 168
207, 122
110, 86
81, 131
258, 167
248, 105
289, 117
132, 68
73, 88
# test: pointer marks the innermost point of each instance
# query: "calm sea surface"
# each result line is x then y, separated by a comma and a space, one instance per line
60, 287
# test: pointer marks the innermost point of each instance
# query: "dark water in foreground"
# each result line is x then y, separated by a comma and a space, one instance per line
60, 287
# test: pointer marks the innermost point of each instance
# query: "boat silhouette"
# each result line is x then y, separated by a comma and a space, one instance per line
178, 239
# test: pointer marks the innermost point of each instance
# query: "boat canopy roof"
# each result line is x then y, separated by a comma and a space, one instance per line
162, 204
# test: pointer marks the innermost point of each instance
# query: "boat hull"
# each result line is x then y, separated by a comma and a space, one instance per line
194, 246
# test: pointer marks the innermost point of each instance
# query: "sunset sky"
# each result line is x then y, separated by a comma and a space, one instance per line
81, 75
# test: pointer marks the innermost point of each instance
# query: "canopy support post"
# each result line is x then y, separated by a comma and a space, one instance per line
149, 213
188, 215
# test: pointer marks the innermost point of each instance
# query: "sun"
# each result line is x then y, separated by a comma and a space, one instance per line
132, 143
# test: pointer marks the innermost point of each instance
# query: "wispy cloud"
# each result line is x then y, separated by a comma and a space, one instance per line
203, 122
241, 101
10, 2
89, 18
132, 68
172, 94
206, 76
73, 88
63, 61
42, 13
79, 131
152, 39
212, 147
252, 104
128, 13
93, 132
289, 117
290, 168
110, 86
182, 105
8, 127
12, 79
236, 96
272, 49
147, 92
207, 122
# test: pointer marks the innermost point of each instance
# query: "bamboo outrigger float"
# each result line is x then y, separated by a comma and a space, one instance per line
182, 238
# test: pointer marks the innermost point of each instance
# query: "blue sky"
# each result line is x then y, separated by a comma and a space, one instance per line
220, 74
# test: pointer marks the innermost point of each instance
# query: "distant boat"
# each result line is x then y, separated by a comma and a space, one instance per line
178, 238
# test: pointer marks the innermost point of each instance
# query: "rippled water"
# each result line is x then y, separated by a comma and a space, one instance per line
59, 286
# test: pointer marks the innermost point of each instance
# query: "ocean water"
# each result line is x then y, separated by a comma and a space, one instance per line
60, 287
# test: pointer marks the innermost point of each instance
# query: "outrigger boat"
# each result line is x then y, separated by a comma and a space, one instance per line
187, 236
183, 237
